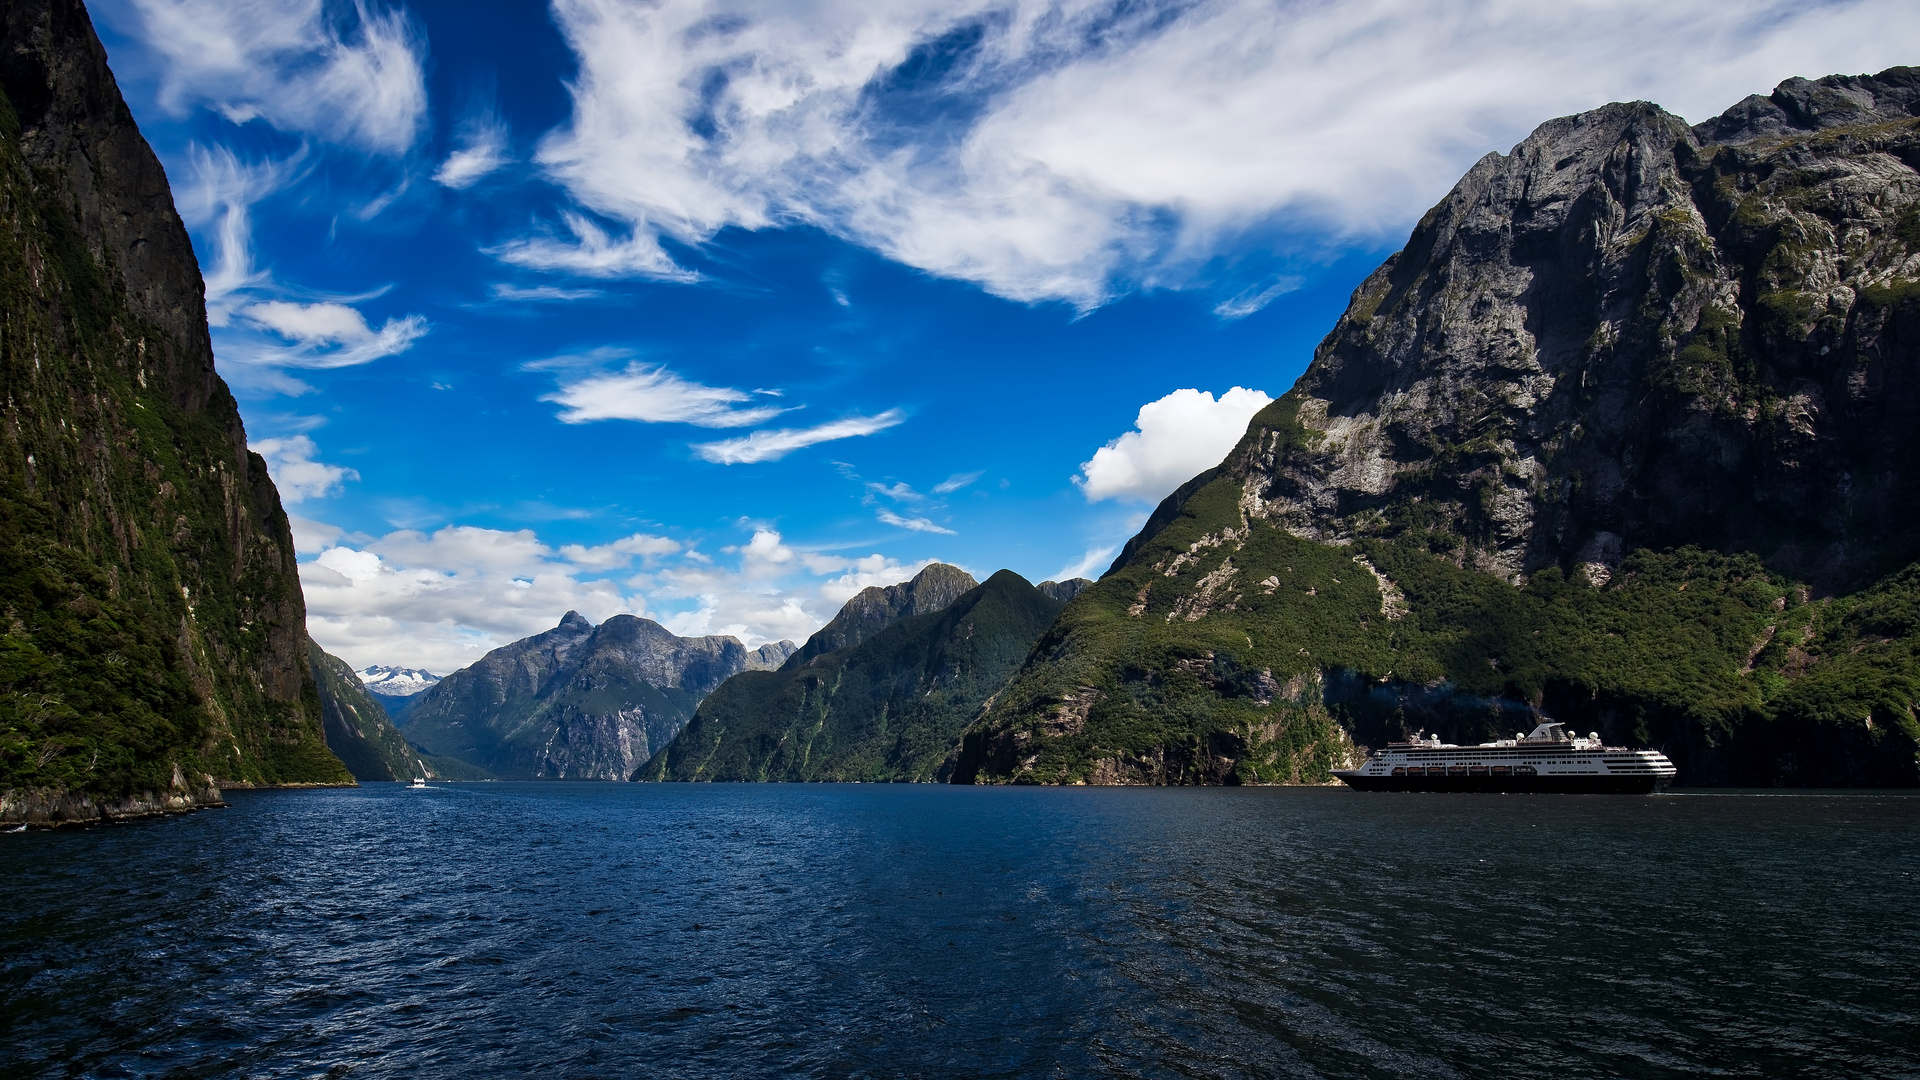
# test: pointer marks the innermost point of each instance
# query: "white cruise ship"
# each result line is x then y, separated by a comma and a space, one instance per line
1547, 760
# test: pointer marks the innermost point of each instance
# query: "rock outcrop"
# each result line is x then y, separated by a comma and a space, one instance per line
154, 630
887, 707
1624, 433
578, 702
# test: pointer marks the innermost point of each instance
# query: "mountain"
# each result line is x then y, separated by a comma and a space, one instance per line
153, 643
395, 682
1625, 433
878, 606
1064, 591
396, 689
886, 707
358, 730
577, 702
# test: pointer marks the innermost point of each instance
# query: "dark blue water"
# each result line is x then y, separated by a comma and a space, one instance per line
618, 930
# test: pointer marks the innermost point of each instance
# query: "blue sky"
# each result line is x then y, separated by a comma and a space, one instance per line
717, 312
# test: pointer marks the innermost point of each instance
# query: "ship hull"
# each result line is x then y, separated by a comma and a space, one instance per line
1512, 785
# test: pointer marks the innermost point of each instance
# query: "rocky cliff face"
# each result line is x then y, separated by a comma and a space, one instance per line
1628, 333
1624, 432
887, 707
154, 639
578, 702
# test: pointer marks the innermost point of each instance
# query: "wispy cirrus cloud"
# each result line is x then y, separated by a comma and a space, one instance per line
774, 444
482, 150
593, 253
1075, 149
912, 524
324, 335
651, 394
352, 75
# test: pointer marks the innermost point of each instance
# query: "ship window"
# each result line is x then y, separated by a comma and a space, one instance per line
1525, 770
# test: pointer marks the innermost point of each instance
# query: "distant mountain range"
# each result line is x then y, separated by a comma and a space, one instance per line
878, 694
576, 702
395, 681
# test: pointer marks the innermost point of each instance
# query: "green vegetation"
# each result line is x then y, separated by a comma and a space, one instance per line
888, 708
1212, 658
358, 730
150, 616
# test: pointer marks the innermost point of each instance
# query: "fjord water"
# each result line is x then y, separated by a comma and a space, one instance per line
621, 930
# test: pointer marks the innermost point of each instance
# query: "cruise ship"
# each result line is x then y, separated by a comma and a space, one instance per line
1548, 760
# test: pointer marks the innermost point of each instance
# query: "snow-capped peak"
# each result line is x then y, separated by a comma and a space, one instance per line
396, 682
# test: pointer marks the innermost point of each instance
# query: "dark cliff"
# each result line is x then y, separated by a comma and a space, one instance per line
578, 702
886, 708
154, 639
1624, 433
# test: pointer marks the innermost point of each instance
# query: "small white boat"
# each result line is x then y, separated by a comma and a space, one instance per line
419, 781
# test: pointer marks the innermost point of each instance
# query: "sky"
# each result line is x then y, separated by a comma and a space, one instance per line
717, 313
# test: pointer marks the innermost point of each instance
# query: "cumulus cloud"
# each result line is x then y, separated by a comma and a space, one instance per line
290, 461
482, 150
351, 75
654, 395
1071, 149
1174, 439
776, 443
441, 599
325, 335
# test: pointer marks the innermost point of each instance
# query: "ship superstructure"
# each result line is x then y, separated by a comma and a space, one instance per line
1546, 760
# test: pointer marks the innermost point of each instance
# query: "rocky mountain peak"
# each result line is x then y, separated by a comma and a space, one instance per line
873, 608
573, 620
1630, 333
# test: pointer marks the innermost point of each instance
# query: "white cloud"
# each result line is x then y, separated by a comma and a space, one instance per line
955, 482
220, 193
504, 291
594, 254
654, 395
352, 74
441, 599
1085, 147
1089, 565
1174, 439
1252, 299
482, 150
299, 477
324, 335
619, 553
916, 524
776, 443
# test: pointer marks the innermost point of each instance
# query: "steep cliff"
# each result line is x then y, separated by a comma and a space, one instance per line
357, 727
578, 702
1624, 432
153, 642
886, 708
